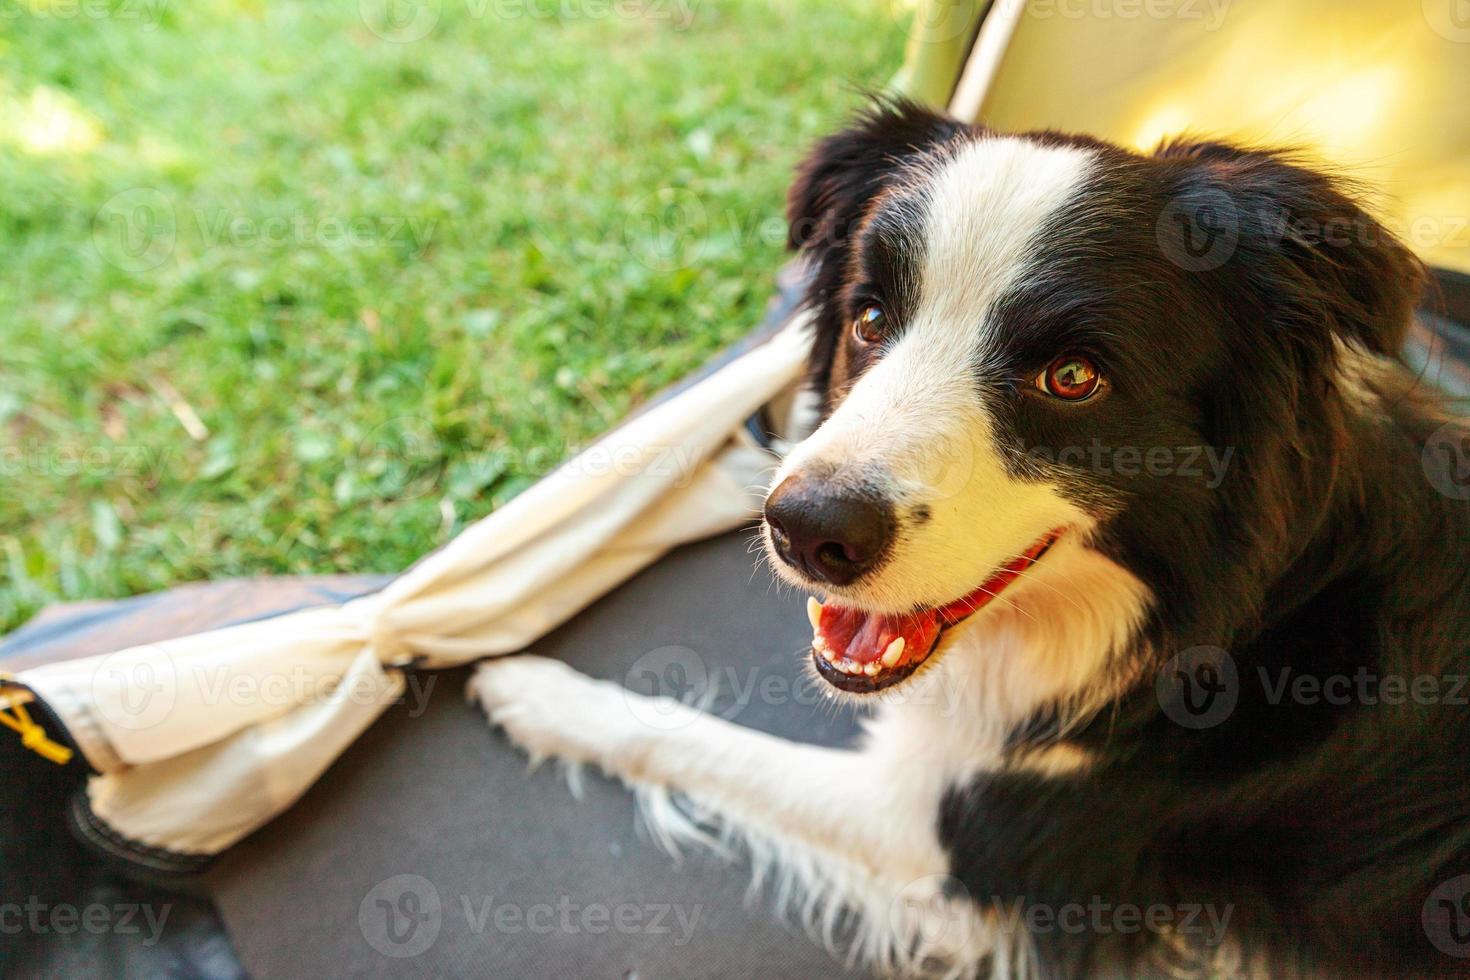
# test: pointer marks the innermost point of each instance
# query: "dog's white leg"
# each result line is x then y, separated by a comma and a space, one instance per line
831, 799
859, 825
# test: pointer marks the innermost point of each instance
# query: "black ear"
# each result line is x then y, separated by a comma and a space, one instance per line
832, 191
1301, 270
1301, 242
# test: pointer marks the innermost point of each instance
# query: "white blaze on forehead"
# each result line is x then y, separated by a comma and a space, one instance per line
986, 211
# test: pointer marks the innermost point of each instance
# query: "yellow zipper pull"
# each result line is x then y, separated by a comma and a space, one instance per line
13, 715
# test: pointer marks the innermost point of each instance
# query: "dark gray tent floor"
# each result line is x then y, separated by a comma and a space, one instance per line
432, 808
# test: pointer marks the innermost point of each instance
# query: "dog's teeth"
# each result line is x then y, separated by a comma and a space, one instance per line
851, 666
893, 652
814, 611
872, 669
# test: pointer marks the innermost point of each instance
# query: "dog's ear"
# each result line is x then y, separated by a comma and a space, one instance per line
831, 194
1303, 272
1299, 239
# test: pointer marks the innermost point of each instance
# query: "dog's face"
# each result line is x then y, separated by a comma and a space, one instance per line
1040, 356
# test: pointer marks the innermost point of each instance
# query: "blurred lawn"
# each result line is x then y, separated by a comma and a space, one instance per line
394, 279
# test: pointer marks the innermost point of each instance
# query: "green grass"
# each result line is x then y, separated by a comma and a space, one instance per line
395, 280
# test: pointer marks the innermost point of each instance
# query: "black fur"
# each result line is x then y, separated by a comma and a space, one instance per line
1323, 550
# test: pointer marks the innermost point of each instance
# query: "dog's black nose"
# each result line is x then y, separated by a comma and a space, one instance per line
830, 535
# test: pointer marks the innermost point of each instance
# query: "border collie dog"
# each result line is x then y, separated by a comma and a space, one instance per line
1135, 529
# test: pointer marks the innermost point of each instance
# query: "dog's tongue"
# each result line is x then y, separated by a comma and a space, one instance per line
866, 637
874, 643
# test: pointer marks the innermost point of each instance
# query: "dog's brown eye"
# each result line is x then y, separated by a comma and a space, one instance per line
1073, 379
870, 325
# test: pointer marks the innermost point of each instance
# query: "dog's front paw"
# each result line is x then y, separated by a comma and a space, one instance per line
553, 712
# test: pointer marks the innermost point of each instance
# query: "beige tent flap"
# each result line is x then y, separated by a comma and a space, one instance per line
1379, 89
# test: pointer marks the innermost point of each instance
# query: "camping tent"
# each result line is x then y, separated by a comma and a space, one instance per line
199, 719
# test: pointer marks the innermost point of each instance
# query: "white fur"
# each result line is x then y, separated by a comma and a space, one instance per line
1047, 639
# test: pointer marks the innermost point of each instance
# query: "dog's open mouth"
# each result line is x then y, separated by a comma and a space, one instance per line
862, 652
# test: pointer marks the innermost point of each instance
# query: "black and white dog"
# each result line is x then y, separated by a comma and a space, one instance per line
1117, 453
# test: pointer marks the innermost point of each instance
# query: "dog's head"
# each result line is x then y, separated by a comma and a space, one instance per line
1063, 381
